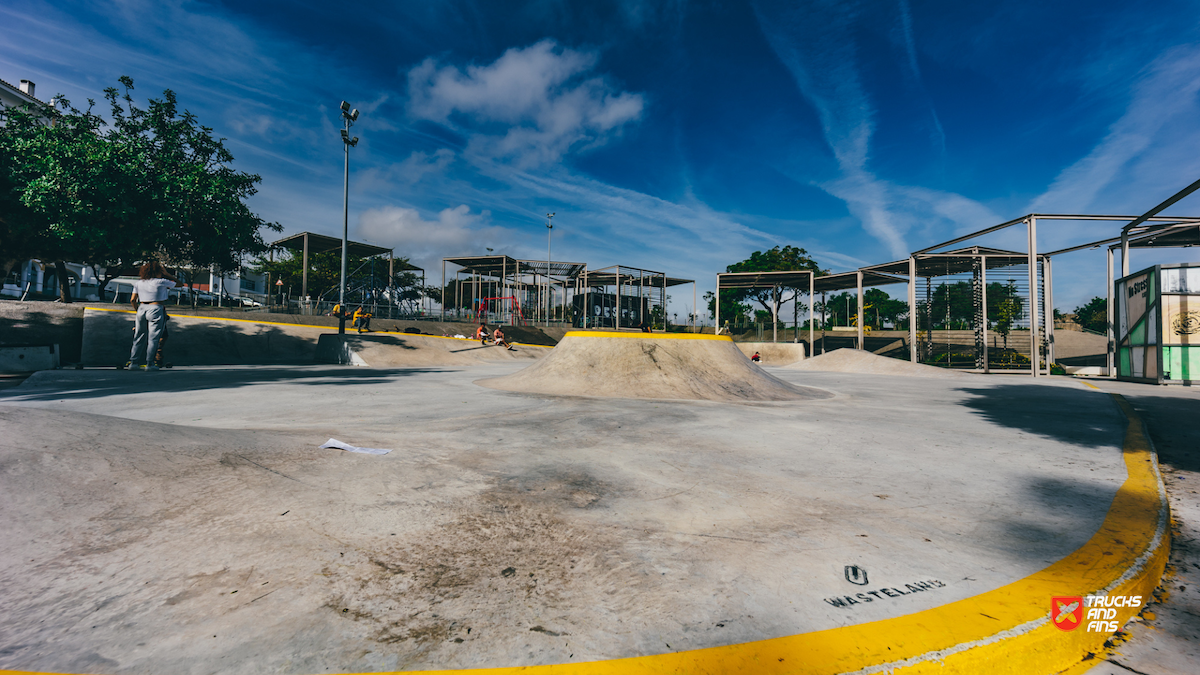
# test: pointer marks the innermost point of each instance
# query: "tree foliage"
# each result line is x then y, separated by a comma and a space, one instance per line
953, 306
366, 277
1093, 315
777, 259
154, 183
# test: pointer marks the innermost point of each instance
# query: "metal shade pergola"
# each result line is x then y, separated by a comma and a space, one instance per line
640, 282
311, 242
774, 281
1146, 231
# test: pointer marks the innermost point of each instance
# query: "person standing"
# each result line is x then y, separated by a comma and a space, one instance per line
149, 298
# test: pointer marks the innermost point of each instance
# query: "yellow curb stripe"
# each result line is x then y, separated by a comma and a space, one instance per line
1126, 556
647, 336
295, 325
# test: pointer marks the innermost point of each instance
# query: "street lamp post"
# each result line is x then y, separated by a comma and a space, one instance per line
349, 117
549, 231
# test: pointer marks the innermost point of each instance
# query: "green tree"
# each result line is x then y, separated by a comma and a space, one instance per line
365, 277
1093, 315
1009, 308
154, 183
731, 309
883, 308
777, 259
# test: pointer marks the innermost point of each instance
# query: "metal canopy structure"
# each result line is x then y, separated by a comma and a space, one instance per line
632, 296
1146, 231
764, 280
311, 242
567, 270
320, 243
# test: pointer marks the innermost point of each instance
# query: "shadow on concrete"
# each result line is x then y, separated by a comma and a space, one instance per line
33, 323
88, 384
1174, 425
1064, 414
108, 338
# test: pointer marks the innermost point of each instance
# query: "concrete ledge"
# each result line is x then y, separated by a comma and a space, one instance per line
334, 348
28, 359
645, 336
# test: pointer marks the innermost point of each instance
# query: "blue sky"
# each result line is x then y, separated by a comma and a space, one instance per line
676, 136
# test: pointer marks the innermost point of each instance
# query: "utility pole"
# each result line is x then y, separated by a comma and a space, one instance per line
549, 232
349, 117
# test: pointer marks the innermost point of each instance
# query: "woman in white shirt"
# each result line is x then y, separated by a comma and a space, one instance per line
149, 298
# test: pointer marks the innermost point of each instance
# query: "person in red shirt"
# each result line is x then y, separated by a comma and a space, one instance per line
481, 334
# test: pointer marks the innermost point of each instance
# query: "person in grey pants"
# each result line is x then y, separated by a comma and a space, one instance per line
150, 294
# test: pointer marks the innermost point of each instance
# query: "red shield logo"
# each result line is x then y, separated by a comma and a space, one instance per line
1066, 612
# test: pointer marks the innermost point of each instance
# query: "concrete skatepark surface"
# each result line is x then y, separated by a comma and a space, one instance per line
376, 350
650, 365
185, 521
860, 361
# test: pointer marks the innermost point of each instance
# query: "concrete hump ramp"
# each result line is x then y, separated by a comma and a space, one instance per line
859, 361
774, 353
377, 350
651, 365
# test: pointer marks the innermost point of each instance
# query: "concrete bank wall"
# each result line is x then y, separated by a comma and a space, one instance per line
36, 323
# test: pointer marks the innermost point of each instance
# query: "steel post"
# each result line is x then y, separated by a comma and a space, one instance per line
1034, 347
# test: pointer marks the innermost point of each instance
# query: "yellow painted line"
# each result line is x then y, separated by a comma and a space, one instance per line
1089, 384
1004, 631
647, 336
296, 325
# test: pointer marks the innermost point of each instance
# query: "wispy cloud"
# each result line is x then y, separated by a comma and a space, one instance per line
1142, 147
530, 106
815, 43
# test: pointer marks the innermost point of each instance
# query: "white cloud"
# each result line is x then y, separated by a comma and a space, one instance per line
530, 107
456, 231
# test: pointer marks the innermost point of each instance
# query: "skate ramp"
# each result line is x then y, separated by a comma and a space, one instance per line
859, 361
774, 353
646, 365
399, 350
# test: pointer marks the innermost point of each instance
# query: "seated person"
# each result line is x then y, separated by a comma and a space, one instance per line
756, 358
481, 334
362, 320
498, 338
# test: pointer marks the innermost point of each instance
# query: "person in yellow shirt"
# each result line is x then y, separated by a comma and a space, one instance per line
362, 320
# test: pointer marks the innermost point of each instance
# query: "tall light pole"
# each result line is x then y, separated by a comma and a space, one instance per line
349, 117
549, 231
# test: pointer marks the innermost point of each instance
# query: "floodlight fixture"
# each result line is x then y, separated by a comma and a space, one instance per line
354, 115
345, 107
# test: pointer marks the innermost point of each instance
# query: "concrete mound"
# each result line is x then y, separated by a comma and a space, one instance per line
645, 365
399, 350
859, 361
774, 353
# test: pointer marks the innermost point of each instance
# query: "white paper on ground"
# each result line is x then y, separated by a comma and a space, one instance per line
335, 443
